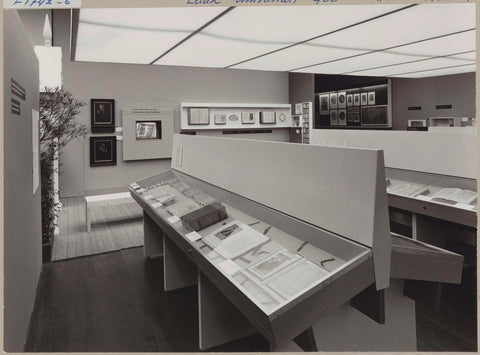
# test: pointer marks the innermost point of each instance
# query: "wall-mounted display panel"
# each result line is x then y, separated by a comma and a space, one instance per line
360, 107
147, 133
235, 116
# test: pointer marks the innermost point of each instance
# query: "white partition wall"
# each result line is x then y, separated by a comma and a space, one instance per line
441, 152
340, 190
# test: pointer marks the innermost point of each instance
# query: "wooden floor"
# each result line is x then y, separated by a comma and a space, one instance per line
113, 228
115, 302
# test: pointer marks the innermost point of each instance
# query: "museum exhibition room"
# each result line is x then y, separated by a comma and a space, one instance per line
233, 178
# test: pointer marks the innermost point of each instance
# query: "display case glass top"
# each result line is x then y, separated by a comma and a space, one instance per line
261, 251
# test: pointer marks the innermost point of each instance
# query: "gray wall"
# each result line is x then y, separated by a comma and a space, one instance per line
33, 21
150, 85
22, 216
457, 90
301, 88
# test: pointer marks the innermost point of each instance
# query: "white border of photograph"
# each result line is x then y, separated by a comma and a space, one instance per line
356, 99
327, 98
341, 95
363, 99
371, 98
349, 100
333, 104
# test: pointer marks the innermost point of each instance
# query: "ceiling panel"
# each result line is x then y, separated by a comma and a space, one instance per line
247, 32
413, 24
136, 35
439, 72
457, 43
422, 65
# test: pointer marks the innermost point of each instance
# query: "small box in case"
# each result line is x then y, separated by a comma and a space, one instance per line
204, 217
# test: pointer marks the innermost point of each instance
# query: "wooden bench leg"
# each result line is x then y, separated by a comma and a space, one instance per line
87, 217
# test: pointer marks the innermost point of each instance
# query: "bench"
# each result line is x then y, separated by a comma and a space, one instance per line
104, 200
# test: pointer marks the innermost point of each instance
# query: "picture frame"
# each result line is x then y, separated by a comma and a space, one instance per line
356, 99
220, 119
371, 98
103, 151
342, 99
333, 101
268, 117
198, 116
102, 115
349, 100
248, 117
342, 117
333, 118
324, 101
363, 99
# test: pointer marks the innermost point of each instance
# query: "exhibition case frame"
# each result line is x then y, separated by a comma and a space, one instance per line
301, 261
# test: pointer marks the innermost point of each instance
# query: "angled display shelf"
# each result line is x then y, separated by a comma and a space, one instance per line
275, 260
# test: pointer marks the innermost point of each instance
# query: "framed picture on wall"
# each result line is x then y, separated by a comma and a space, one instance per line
333, 101
248, 118
342, 99
349, 100
363, 99
324, 106
371, 98
103, 151
220, 118
356, 99
102, 113
342, 117
333, 118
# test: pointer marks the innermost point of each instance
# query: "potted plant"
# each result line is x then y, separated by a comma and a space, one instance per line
58, 110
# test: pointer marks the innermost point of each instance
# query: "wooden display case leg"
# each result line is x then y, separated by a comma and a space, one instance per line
178, 270
152, 237
306, 340
219, 320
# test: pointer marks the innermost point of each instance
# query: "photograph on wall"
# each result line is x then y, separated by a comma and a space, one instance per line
350, 100
198, 116
103, 151
102, 115
356, 118
220, 119
324, 106
371, 98
146, 130
342, 117
356, 99
333, 118
363, 98
248, 118
342, 99
268, 117
356, 110
333, 101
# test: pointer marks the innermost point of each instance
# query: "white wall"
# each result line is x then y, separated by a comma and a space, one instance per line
151, 85
442, 151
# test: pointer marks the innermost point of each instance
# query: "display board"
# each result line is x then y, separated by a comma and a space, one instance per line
340, 190
228, 116
147, 133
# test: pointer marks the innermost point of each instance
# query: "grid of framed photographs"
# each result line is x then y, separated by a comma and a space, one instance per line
343, 108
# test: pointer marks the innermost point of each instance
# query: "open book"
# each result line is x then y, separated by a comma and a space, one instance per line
455, 195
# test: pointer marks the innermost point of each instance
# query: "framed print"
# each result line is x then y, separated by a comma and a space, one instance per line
349, 100
342, 99
220, 119
333, 118
324, 106
356, 99
267, 117
350, 111
333, 101
248, 118
103, 151
356, 110
102, 113
371, 98
148, 130
363, 98
342, 117
356, 118
198, 116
